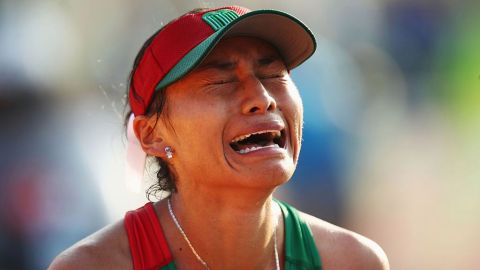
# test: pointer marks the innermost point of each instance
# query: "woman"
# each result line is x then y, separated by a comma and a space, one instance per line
214, 103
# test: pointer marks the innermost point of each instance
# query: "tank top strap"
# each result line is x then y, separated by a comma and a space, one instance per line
148, 246
300, 250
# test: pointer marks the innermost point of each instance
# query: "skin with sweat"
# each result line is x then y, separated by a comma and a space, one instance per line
242, 87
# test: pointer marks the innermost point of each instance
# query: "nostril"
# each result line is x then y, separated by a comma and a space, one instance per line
254, 109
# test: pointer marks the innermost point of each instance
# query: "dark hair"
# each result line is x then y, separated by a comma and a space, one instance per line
165, 178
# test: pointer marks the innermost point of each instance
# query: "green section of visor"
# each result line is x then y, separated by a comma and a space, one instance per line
197, 54
219, 18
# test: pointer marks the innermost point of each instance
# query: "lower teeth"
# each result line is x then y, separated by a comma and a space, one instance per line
253, 148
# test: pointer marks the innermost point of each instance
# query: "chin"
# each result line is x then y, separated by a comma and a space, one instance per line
268, 175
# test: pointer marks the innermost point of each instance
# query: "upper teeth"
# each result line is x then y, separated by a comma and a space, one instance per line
276, 133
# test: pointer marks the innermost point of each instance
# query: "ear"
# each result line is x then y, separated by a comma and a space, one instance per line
150, 138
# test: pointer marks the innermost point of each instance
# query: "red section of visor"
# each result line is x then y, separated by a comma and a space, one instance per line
170, 45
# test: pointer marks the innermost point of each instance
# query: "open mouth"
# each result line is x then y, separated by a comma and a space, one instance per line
258, 140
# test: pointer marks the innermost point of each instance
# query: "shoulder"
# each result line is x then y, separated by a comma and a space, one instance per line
343, 249
105, 249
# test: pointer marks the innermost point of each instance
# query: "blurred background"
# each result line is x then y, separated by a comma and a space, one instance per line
391, 138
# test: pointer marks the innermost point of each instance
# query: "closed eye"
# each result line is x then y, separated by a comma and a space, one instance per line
220, 82
272, 76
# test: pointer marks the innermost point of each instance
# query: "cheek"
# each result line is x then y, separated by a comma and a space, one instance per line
196, 122
290, 102
298, 115
298, 104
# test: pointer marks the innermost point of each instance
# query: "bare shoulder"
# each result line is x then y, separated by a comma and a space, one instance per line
105, 249
343, 249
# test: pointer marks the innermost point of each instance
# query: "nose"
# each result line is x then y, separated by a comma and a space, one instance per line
256, 98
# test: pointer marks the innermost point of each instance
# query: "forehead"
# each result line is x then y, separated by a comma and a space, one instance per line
231, 53
233, 47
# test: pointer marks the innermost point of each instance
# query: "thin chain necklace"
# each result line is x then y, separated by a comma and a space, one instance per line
205, 265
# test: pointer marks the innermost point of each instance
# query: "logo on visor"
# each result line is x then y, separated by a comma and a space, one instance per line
219, 18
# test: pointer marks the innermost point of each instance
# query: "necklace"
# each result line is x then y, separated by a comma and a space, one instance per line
205, 265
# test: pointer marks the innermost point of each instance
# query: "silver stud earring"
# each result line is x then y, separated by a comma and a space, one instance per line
169, 152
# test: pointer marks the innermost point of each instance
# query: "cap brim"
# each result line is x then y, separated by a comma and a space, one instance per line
293, 40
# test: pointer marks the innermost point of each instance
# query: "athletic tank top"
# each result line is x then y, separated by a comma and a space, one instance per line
150, 251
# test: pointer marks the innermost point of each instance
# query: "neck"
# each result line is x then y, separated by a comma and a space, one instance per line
236, 227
